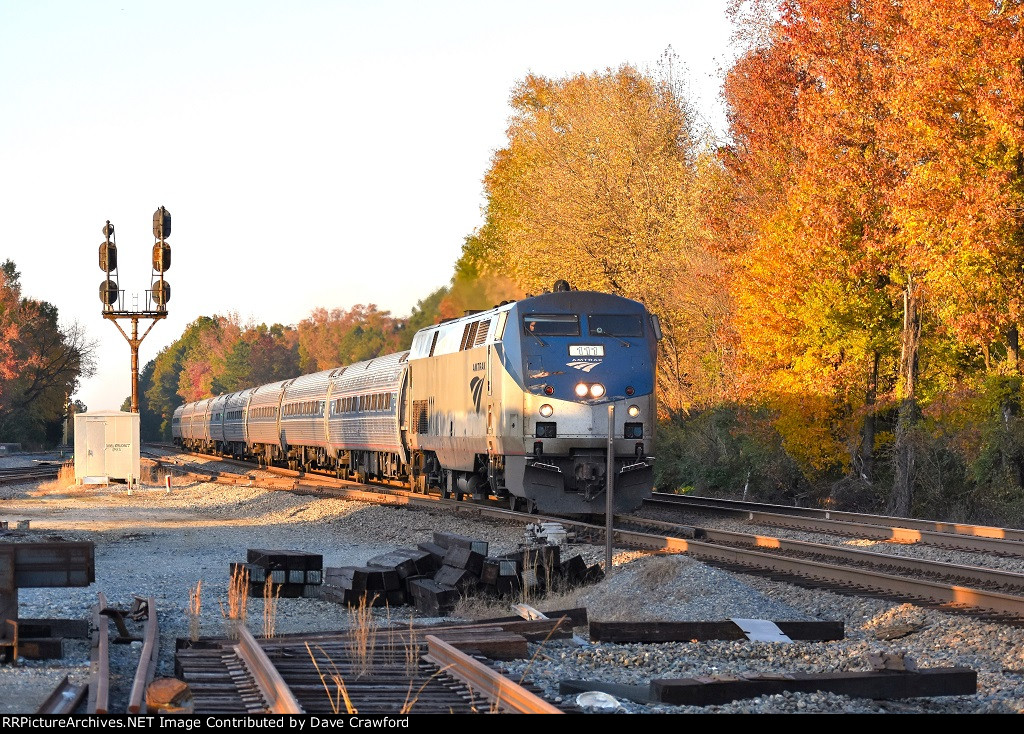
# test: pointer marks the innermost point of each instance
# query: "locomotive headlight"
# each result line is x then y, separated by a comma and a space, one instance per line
597, 389
633, 411
582, 390
546, 410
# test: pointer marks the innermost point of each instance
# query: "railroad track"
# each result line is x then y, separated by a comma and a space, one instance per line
951, 536
17, 475
66, 697
954, 587
394, 672
982, 592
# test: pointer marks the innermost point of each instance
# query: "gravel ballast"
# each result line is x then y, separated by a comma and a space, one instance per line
154, 542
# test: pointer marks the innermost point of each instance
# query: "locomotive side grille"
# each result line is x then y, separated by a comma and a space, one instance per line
419, 416
468, 335
481, 332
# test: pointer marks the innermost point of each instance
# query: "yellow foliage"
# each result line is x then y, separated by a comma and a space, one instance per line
601, 184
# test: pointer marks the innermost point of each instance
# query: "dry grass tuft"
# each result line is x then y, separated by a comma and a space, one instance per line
271, 594
340, 693
657, 571
238, 601
364, 633
413, 650
410, 699
65, 483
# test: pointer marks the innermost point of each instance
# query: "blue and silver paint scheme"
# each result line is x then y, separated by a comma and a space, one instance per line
521, 401
478, 384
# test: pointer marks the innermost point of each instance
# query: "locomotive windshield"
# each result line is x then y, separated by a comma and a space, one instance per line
617, 324
557, 324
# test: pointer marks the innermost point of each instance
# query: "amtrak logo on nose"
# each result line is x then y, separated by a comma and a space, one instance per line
476, 385
584, 366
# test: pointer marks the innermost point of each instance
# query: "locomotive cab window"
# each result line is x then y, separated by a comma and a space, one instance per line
557, 324
617, 324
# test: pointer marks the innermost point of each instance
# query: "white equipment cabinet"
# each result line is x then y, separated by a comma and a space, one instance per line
106, 447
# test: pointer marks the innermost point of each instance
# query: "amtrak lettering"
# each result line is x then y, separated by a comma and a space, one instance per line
580, 364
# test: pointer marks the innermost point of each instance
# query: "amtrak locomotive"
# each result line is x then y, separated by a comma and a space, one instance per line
515, 402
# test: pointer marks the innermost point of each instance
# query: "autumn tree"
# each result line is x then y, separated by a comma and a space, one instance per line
335, 337
213, 356
596, 186
958, 98
206, 359
41, 363
876, 180
819, 273
160, 384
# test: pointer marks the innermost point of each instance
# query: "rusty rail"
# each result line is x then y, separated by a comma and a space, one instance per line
63, 700
883, 527
872, 582
148, 659
902, 564
26, 474
279, 697
504, 694
99, 669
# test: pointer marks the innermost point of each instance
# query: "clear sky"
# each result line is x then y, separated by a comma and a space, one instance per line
313, 153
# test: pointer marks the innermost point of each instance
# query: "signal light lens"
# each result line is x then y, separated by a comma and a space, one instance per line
546, 410
548, 390
108, 292
633, 411
630, 390
597, 389
582, 390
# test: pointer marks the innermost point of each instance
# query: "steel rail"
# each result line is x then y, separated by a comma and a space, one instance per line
64, 699
99, 669
503, 693
952, 528
148, 659
279, 698
298, 482
28, 474
893, 534
975, 574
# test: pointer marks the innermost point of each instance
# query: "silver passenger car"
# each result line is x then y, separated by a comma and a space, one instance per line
365, 417
235, 409
262, 424
303, 403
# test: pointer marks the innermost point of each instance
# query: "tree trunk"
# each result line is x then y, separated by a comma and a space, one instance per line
903, 480
1012, 451
866, 468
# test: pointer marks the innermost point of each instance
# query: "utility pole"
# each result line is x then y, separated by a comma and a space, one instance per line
157, 296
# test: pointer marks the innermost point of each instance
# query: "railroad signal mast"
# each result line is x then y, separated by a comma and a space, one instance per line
159, 293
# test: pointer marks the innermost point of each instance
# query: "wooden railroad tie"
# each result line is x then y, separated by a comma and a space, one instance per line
714, 690
626, 632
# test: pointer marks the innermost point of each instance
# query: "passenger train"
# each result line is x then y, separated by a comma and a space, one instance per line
515, 402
